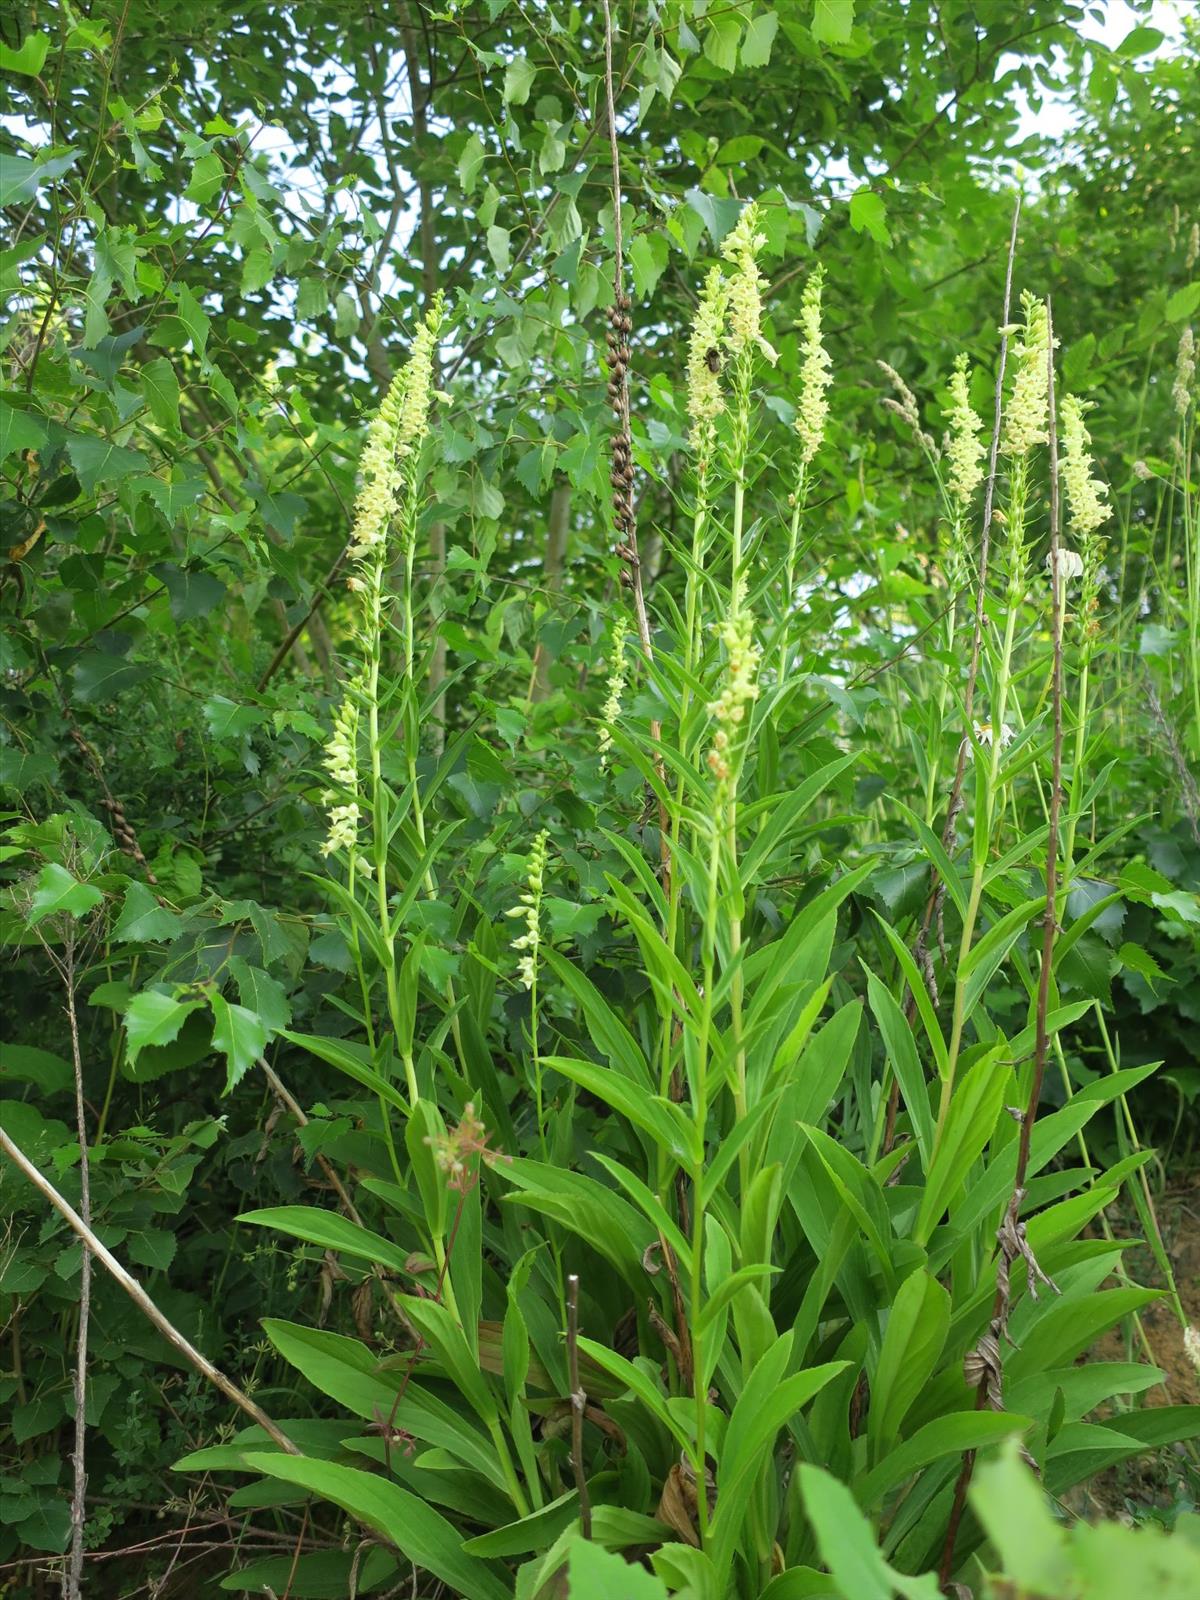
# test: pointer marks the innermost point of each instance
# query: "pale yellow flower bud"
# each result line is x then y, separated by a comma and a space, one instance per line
705, 400
964, 448
740, 248
1185, 371
1028, 410
1085, 494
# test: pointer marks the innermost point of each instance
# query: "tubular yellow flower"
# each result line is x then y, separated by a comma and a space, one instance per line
1085, 494
529, 910
616, 688
1028, 410
740, 249
1185, 371
964, 448
816, 370
705, 400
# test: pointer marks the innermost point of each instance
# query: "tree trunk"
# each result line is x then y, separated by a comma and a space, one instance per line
558, 527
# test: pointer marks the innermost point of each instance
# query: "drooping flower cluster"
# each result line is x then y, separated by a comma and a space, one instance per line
964, 448
1027, 420
397, 429
461, 1150
529, 910
341, 763
904, 405
1185, 371
1086, 495
740, 687
816, 370
740, 248
616, 688
705, 401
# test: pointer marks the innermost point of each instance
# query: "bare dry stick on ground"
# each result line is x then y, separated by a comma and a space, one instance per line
937, 888
578, 1405
984, 1362
140, 1298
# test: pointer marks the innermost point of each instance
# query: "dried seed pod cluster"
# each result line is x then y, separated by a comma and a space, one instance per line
620, 325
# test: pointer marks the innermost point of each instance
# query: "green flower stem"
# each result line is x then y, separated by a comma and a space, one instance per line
798, 498
700, 1109
987, 798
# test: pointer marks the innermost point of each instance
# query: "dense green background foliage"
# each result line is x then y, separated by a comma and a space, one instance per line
220, 226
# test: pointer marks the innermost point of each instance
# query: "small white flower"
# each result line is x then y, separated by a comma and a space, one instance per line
1191, 1345
986, 735
616, 688
1070, 564
529, 909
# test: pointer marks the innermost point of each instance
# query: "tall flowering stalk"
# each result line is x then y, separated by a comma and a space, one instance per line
1183, 400
812, 415
726, 755
386, 512
1088, 510
617, 679
528, 944
959, 474
745, 342
1025, 427
705, 403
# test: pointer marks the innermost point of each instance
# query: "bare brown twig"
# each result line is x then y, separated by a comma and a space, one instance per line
578, 1405
140, 1298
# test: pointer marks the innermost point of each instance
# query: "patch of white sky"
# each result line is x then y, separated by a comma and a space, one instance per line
1055, 114
1051, 117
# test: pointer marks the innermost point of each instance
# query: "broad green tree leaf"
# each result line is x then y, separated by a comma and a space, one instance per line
240, 1034
58, 893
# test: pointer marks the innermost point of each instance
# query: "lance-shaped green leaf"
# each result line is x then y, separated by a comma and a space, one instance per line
398, 1517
